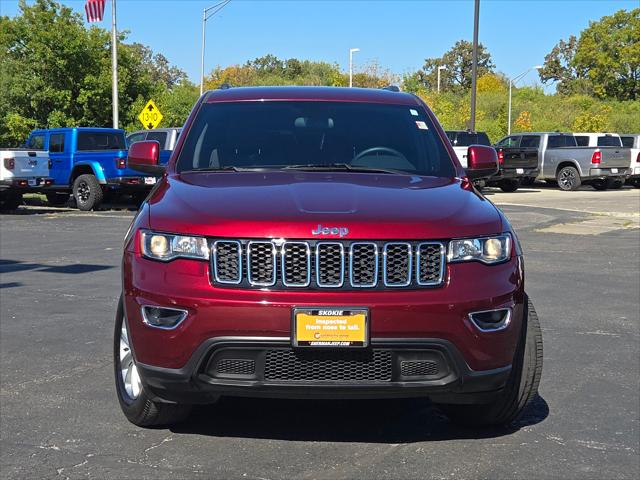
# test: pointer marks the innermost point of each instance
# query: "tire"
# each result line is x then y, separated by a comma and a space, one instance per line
568, 178
615, 184
11, 201
509, 185
58, 199
87, 192
600, 185
134, 401
521, 387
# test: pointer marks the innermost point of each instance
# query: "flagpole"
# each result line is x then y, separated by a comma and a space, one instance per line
114, 64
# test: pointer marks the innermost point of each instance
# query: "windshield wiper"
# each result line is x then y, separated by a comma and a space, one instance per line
333, 167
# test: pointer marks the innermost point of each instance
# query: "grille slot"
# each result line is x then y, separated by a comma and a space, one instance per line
329, 264
363, 264
430, 263
398, 259
324, 264
418, 368
236, 366
344, 366
261, 264
227, 261
296, 264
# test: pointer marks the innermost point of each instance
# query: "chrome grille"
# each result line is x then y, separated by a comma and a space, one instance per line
261, 264
398, 261
327, 264
296, 264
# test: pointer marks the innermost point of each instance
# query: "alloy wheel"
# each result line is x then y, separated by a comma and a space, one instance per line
567, 178
83, 192
128, 369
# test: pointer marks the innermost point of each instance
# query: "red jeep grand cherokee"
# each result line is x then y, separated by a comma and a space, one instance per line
314, 242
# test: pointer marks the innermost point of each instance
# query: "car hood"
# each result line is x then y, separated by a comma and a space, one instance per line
293, 204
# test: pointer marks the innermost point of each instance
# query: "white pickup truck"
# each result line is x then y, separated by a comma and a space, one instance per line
21, 171
632, 142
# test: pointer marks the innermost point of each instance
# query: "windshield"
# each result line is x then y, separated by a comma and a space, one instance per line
609, 141
281, 134
465, 139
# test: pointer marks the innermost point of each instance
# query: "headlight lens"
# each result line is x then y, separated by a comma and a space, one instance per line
486, 250
161, 246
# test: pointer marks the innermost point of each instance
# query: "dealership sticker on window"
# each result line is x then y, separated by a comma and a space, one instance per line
421, 125
413, 112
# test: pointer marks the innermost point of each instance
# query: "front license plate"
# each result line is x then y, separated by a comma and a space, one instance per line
32, 182
520, 170
149, 180
614, 170
330, 327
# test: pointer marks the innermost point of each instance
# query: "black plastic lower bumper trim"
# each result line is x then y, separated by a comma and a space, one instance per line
198, 382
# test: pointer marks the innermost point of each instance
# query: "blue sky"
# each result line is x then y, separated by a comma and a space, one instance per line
398, 34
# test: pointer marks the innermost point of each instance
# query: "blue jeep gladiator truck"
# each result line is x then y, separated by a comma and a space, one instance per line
88, 163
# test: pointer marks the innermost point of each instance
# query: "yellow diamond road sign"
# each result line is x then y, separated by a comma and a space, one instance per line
150, 116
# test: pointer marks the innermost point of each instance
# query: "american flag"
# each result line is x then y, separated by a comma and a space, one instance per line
94, 10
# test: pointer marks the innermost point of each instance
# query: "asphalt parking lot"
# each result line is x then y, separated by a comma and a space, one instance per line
59, 416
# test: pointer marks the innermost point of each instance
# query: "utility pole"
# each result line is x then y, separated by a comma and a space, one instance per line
351, 52
440, 68
474, 68
206, 14
114, 65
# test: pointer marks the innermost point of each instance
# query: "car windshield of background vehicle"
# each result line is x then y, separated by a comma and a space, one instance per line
36, 142
530, 141
627, 142
101, 141
160, 137
281, 134
609, 141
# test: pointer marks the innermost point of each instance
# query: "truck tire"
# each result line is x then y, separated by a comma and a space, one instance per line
87, 192
136, 405
509, 185
56, 199
528, 181
600, 185
568, 178
10, 201
521, 387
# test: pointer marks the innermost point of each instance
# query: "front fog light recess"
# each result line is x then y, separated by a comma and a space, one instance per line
163, 317
491, 320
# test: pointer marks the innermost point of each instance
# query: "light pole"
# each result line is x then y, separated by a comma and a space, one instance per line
351, 52
114, 66
206, 14
511, 82
474, 64
440, 68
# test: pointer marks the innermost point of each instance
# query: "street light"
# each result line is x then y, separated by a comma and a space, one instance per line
441, 67
206, 14
351, 52
511, 82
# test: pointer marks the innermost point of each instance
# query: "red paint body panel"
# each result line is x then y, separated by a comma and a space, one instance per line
428, 313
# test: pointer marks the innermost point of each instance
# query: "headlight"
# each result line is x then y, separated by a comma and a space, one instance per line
486, 250
161, 246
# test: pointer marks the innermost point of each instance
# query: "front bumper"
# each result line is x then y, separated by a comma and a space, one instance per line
390, 368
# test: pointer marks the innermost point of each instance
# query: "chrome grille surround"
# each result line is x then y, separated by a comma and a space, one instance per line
261, 263
396, 265
281, 264
223, 268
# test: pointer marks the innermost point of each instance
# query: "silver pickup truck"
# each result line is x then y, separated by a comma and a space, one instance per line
561, 160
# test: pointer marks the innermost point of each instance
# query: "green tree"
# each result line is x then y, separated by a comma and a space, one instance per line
603, 61
458, 62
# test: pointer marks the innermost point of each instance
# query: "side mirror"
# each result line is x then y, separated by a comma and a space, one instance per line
482, 162
145, 157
